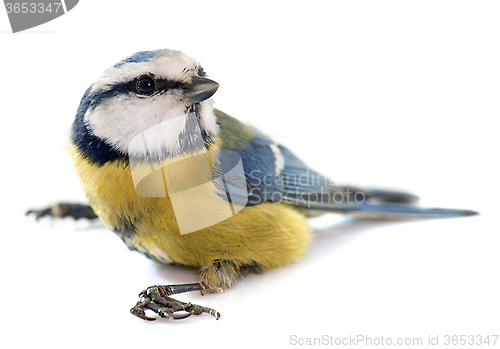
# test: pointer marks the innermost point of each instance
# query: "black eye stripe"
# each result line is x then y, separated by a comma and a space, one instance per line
160, 85
125, 88
164, 85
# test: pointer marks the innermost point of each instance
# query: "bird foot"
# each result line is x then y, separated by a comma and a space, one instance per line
157, 299
64, 209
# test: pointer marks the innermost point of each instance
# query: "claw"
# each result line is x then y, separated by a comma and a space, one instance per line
180, 317
138, 311
40, 213
216, 314
157, 299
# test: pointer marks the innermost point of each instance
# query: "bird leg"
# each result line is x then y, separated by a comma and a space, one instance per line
65, 209
157, 298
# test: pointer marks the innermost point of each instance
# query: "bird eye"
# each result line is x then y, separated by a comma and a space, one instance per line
145, 85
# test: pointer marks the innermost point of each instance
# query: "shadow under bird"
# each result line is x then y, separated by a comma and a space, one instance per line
185, 183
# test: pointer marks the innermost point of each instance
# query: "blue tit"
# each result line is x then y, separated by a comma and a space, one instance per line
185, 183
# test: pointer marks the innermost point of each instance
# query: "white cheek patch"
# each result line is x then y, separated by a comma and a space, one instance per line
174, 136
163, 137
121, 119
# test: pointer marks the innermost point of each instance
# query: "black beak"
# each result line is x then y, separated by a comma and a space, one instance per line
200, 89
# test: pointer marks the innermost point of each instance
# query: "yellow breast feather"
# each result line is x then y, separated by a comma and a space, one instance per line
253, 236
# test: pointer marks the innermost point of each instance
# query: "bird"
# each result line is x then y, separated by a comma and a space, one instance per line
182, 182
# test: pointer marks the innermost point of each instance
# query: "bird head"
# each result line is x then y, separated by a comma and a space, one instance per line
162, 95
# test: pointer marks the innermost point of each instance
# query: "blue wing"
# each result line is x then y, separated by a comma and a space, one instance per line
274, 174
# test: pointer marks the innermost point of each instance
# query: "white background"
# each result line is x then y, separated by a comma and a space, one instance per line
381, 93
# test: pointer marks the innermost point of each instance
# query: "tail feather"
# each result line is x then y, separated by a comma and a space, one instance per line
401, 211
375, 203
